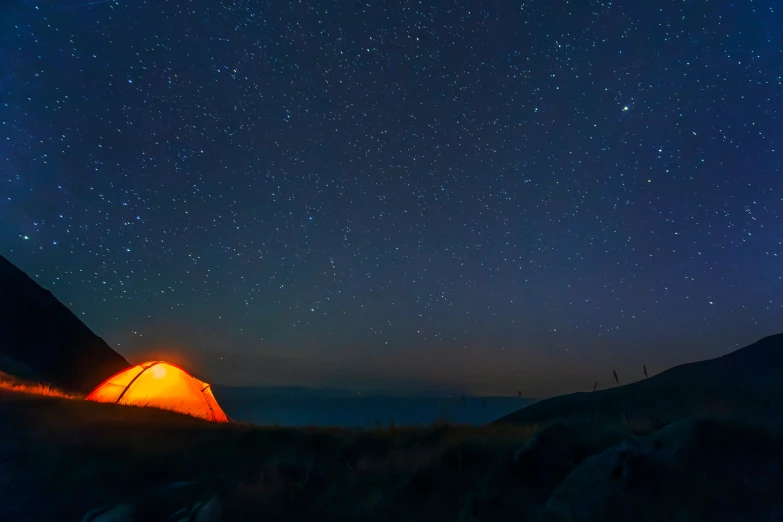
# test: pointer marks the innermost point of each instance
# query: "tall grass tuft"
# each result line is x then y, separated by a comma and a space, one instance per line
10, 383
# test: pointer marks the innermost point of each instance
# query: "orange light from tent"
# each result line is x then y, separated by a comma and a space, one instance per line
158, 371
160, 385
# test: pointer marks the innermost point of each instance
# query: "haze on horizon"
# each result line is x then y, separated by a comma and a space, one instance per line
414, 197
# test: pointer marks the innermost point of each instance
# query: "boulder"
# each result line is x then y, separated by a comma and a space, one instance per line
704, 469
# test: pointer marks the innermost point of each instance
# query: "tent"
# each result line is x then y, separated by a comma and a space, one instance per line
160, 385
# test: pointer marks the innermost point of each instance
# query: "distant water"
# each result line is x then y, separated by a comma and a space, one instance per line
294, 408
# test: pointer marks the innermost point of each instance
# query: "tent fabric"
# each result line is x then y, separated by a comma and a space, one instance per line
160, 385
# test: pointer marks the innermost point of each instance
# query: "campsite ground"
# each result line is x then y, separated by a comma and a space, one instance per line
60, 458
79, 455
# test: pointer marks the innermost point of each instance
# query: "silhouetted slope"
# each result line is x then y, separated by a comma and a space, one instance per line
42, 339
745, 384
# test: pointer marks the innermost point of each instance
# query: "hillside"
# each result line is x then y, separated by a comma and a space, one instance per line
746, 384
41, 339
60, 459
78, 455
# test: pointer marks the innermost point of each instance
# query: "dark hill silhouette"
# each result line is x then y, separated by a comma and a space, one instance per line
41, 339
746, 384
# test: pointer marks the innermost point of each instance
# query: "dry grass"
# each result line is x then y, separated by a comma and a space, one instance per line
81, 454
78, 455
13, 384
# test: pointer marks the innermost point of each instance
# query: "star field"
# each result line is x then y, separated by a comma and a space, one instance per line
479, 196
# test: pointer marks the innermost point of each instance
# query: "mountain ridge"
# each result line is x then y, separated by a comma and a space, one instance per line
744, 384
42, 339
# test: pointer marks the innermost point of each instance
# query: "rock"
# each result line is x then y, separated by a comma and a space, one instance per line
121, 513
715, 470
212, 511
546, 459
586, 493
189, 501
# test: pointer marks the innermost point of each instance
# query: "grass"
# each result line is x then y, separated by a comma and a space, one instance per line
77, 455
80, 455
14, 384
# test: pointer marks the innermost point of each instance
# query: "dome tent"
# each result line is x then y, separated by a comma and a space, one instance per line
160, 385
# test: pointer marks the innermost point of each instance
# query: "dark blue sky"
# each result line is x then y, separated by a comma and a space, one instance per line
475, 196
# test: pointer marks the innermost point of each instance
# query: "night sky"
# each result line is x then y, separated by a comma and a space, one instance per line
482, 197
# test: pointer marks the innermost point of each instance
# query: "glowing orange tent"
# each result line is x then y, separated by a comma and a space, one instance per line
160, 385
